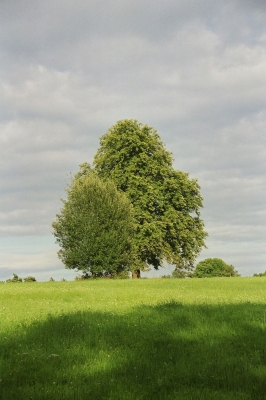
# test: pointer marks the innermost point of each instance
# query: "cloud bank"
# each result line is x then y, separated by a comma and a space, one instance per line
196, 71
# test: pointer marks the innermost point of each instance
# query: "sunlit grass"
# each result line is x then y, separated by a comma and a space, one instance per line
134, 339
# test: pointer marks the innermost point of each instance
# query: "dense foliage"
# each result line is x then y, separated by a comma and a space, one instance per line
212, 267
166, 201
94, 228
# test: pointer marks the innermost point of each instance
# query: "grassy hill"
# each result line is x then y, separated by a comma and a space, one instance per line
134, 339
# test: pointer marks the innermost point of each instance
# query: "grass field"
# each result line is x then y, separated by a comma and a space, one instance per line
134, 339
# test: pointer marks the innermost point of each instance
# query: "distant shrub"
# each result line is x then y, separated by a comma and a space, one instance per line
30, 279
166, 277
260, 274
63, 280
15, 279
51, 279
178, 273
214, 267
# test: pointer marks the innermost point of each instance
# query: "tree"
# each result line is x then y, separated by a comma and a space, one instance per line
30, 279
15, 279
166, 201
94, 228
211, 267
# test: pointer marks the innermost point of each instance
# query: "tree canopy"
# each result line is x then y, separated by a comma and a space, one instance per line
211, 267
95, 226
166, 202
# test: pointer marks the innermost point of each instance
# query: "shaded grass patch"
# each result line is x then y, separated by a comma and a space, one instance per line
168, 350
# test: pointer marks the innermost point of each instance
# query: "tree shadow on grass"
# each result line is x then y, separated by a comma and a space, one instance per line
168, 351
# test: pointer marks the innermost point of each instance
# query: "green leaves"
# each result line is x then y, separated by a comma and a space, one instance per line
211, 267
95, 226
132, 209
166, 202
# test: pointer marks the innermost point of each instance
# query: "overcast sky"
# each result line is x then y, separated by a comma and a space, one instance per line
194, 70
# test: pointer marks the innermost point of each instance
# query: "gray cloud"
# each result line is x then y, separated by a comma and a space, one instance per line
195, 71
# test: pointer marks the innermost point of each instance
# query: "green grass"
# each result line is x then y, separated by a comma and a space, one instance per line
134, 339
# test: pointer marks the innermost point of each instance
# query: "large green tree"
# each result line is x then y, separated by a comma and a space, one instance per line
166, 201
95, 226
214, 267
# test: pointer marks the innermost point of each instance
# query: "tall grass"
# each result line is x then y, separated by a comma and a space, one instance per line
143, 339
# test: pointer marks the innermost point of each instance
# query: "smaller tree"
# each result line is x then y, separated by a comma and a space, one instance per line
30, 279
214, 267
15, 279
95, 226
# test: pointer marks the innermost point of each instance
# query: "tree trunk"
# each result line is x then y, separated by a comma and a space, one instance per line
136, 274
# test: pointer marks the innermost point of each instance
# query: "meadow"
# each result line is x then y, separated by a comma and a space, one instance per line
134, 339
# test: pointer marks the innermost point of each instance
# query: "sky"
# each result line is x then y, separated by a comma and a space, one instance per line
195, 71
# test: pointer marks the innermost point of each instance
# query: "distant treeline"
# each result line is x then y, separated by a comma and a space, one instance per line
208, 268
